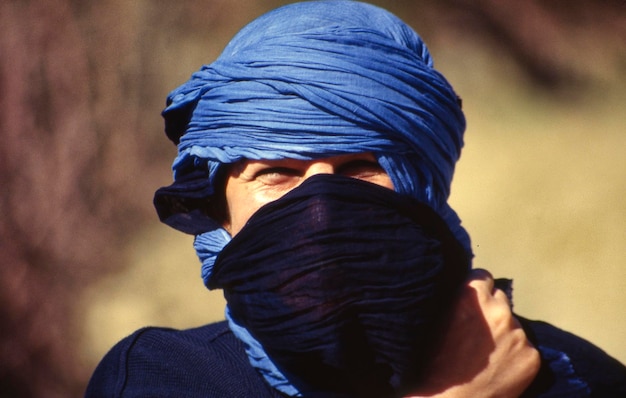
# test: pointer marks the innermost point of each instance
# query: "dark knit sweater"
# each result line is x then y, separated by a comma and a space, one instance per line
207, 361
210, 361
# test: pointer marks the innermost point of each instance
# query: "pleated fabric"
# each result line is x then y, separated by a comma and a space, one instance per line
343, 283
312, 80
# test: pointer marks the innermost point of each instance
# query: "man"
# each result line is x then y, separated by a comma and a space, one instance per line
314, 166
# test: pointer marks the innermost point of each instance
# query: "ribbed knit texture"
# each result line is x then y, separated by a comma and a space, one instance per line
159, 362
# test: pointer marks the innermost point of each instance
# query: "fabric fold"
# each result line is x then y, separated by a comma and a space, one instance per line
343, 284
318, 79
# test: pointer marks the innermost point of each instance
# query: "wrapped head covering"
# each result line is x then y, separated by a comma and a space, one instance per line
313, 80
307, 81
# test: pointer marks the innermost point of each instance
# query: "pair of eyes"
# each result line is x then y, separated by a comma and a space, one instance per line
363, 169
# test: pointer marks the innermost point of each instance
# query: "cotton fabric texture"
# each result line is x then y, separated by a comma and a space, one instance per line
344, 284
312, 80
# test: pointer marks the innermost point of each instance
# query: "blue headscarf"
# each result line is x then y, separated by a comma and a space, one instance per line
306, 81
312, 80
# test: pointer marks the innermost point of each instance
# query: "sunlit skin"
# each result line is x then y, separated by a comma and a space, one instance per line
251, 184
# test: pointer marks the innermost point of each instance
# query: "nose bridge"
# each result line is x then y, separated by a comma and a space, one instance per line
319, 167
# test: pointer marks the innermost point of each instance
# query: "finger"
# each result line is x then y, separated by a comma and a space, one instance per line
482, 278
501, 297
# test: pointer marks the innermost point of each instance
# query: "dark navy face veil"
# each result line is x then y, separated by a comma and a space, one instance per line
343, 283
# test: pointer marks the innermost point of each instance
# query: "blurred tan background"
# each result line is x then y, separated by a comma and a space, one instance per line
84, 262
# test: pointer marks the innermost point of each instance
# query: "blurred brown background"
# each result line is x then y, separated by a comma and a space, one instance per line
84, 262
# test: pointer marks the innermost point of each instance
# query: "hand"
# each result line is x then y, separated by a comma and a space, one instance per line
484, 351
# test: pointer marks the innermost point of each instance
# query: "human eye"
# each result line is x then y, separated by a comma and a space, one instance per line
278, 175
362, 169
365, 168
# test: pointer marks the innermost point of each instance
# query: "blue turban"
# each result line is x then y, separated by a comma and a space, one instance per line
312, 80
